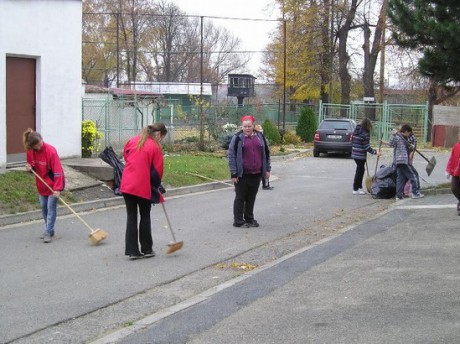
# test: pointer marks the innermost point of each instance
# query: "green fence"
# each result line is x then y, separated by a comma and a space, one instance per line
384, 117
119, 119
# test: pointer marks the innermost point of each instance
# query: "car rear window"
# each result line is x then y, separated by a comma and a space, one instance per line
337, 125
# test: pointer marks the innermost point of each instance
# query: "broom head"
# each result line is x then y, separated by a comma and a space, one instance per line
431, 165
97, 236
174, 246
369, 181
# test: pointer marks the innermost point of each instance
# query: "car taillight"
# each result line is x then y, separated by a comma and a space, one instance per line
351, 137
316, 136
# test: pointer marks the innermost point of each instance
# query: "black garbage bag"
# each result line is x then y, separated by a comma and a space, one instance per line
108, 155
384, 182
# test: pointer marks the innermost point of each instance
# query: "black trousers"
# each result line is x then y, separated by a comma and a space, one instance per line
245, 197
359, 174
134, 234
455, 187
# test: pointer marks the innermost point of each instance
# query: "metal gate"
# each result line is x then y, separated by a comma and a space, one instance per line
384, 117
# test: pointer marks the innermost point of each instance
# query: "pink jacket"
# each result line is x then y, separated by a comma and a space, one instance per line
453, 165
135, 179
46, 163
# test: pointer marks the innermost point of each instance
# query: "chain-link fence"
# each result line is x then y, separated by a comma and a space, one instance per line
384, 117
119, 119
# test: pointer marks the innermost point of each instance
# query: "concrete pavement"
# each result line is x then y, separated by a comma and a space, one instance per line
393, 279
108, 277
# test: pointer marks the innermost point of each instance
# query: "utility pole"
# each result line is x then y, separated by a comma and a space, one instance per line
382, 55
201, 88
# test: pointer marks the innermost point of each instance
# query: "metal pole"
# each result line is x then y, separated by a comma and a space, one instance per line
118, 50
284, 73
382, 56
201, 86
331, 62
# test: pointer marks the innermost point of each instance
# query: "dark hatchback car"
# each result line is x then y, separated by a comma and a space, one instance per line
334, 135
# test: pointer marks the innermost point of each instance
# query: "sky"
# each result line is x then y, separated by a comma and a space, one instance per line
254, 35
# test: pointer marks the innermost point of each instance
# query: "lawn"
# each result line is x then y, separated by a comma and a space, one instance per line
19, 194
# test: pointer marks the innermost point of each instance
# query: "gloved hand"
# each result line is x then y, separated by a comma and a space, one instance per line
447, 176
162, 189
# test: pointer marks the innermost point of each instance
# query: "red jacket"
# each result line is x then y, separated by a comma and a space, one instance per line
46, 163
136, 177
453, 165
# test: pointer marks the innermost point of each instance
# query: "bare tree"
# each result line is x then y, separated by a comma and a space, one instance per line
99, 48
371, 53
346, 18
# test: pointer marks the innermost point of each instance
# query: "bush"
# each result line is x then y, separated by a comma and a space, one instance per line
291, 138
228, 130
306, 125
271, 132
89, 137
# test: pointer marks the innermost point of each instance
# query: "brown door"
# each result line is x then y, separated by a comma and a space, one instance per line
20, 104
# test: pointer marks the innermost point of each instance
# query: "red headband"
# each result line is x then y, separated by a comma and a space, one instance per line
248, 118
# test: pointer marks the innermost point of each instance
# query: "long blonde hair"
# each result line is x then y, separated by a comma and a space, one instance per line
30, 138
149, 131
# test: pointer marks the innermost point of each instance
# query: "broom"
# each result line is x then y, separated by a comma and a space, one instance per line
210, 179
175, 245
368, 180
96, 235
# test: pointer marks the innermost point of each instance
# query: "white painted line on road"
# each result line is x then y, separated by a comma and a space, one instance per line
427, 206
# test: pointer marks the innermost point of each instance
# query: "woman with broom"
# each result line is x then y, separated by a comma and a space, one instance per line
360, 147
453, 170
143, 172
43, 159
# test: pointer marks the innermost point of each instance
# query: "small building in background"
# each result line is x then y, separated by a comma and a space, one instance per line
240, 86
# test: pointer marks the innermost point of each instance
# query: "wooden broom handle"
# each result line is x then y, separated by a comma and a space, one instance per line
68, 206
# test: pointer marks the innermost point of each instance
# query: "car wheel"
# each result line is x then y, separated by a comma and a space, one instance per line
315, 153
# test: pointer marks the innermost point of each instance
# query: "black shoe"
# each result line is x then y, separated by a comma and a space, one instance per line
268, 187
136, 256
252, 223
149, 254
240, 224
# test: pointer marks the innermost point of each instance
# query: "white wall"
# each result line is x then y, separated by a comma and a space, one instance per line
447, 115
50, 31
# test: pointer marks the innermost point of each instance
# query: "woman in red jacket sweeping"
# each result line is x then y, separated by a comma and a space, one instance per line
453, 169
140, 181
44, 160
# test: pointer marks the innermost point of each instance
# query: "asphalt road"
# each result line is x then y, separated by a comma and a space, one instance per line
71, 292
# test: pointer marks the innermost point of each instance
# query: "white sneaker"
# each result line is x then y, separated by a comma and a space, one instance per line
418, 195
359, 192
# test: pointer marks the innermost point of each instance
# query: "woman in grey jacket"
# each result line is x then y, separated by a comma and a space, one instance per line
360, 147
248, 161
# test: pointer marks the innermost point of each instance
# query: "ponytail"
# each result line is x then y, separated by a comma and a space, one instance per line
30, 138
149, 130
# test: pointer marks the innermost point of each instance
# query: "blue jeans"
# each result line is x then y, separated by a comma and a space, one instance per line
403, 174
49, 212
